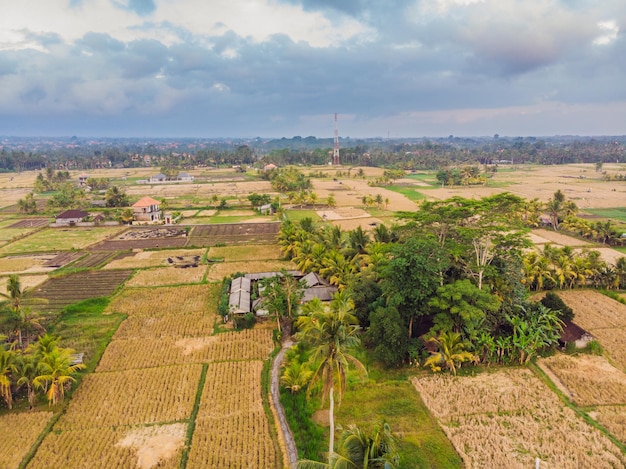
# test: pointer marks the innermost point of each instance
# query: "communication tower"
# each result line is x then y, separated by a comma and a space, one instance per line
336, 146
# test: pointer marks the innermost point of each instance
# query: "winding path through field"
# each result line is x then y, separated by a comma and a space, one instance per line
290, 444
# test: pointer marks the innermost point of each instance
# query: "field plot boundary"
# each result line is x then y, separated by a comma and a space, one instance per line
234, 233
30, 223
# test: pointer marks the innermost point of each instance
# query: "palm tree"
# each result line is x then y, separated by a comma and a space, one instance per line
296, 376
27, 370
557, 206
7, 368
357, 450
331, 333
56, 372
450, 352
14, 293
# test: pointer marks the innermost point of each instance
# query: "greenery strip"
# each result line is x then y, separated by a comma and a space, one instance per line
192, 418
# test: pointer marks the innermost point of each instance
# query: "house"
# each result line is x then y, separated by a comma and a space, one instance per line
266, 209
239, 297
269, 167
184, 177
70, 217
158, 178
147, 209
82, 179
573, 333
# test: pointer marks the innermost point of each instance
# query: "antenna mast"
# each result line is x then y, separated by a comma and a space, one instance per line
336, 147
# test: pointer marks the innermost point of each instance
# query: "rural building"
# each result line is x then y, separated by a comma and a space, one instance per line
574, 334
157, 178
239, 298
241, 289
269, 167
147, 209
184, 177
266, 209
82, 179
71, 217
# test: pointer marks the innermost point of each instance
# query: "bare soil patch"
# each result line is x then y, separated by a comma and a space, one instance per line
351, 191
155, 444
30, 223
150, 258
234, 233
559, 238
343, 213
193, 344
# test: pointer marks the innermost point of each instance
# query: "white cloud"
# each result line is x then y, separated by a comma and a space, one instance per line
609, 31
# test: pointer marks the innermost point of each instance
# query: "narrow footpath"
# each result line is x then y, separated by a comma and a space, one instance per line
292, 452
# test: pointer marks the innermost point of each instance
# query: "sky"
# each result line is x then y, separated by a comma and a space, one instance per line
281, 68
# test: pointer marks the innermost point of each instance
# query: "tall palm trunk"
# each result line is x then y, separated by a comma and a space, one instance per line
331, 421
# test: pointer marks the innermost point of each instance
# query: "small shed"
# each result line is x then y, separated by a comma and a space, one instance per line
573, 333
185, 177
71, 217
321, 292
239, 298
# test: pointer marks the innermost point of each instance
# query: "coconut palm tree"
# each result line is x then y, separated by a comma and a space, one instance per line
296, 376
15, 293
450, 352
7, 369
27, 369
331, 333
56, 372
358, 450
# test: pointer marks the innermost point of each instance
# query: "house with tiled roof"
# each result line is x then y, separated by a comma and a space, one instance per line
70, 217
147, 209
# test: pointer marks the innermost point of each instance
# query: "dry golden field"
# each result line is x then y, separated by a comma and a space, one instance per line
250, 252
230, 408
218, 271
507, 418
25, 264
19, 433
104, 448
604, 318
133, 397
590, 380
613, 418
26, 281
173, 325
164, 300
253, 344
167, 276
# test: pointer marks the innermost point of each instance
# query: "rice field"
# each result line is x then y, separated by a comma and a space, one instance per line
20, 431
254, 252
164, 300
167, 276
218, 271
590, 380
509, 418
60, 239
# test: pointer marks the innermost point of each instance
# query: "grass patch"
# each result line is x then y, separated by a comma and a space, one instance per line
83, 327
61, 239
408, 192
234, 219
617, 213
192, 419
297, 215
310, 438
423, 443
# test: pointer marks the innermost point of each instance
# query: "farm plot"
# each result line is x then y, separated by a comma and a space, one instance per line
30, 223
63, 291
103, 448
548, 236
164, 301
25, 428
234, 233
93, 259
156, 327
252, 252
62, 259
604, 318
613, 418
25, 263
590, 380
133, 397
167, 276
128, 244
232, 429
255, 344
140, 260
219, 271
60, 239
508, 418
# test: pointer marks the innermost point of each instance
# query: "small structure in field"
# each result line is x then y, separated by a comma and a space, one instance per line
82, 180
574, 334
184, 177
71, 217
158, 178
147, 209
239, 299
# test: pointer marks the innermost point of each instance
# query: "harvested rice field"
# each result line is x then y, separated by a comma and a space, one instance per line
509, 418
167, 276
144, 259
253, 252
218, 271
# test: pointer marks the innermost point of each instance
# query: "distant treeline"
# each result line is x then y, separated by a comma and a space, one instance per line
390, 153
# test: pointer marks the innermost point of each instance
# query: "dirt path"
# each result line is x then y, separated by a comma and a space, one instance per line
292, 452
